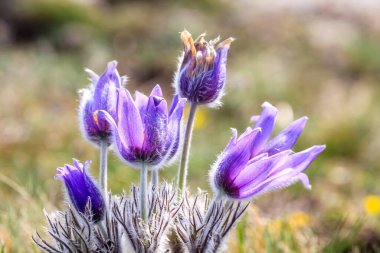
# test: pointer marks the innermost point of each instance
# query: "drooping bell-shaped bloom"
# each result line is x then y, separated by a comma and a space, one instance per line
81, 189
201, 73
146, 131
101, 95
251, 165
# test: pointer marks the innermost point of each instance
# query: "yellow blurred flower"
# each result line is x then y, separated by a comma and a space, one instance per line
275, 226
200, 117
299, 220
371, 204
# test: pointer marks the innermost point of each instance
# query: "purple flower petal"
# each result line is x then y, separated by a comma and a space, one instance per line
245, 133
257, 158
160, 104
155, 132
286, 177
234, 160
220, 69
112, 98
88, 125
141, 102
130, 154
301, 160
109, 78
288, 174
266, 123
174, 104
157, 92
174, 131
286, 138
130, 126
258, 171
233, 139
304, 179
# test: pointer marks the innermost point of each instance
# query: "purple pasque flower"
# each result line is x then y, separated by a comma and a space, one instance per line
101, 95
202, 69
251, 165
146, 131
81, 189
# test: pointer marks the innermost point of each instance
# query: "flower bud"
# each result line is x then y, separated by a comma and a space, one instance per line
101, 95
81, 189
201, 72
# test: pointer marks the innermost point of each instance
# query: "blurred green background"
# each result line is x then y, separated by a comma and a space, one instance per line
314, 58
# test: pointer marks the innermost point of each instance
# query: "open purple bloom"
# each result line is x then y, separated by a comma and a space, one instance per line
251, 165
81, 189
146, 131
202, 69
101, 95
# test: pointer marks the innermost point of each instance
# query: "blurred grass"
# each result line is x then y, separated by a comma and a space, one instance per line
317, 59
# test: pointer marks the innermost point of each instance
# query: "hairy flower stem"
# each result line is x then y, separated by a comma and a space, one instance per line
143, 192
154, 179
183, 167
103, 168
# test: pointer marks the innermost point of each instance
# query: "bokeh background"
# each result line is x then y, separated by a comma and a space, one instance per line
314, 58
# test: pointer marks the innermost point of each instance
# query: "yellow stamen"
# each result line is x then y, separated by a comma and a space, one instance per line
188, 42
209, 59
95, 116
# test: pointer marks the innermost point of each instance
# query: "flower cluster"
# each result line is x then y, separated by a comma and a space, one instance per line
147, 135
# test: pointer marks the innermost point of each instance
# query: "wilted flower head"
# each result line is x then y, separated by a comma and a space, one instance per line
81, 189
251, 165
151, 236
202, 69
145, 130
101, 95
202, 225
